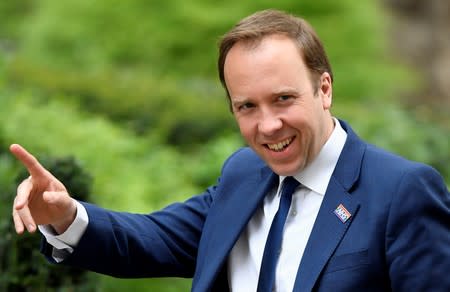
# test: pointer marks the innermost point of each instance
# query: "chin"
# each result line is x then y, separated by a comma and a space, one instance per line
286, 171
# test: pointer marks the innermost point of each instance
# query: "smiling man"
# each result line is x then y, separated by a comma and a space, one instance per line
308, 206
283, 112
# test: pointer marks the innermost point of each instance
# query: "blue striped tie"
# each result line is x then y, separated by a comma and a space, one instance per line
273, 244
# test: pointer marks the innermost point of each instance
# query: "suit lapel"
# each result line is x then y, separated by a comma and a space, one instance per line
229, 217
327, 232
328, 229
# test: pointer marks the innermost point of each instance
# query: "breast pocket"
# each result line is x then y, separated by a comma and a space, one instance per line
347, 261
352, 271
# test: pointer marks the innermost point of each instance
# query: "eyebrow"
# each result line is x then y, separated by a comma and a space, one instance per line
239, 100
282, 91
285, 90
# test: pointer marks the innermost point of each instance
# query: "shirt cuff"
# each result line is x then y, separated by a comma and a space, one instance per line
68, 240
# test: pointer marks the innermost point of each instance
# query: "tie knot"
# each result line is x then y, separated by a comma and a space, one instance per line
289, 186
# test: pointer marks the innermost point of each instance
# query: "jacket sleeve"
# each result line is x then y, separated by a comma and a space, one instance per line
418, 233
126, 245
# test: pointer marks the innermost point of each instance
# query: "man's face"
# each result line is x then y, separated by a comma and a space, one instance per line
274, 103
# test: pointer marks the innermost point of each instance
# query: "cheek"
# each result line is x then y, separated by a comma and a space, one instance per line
245, 127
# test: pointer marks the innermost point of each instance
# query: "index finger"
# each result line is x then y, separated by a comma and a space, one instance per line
28, 160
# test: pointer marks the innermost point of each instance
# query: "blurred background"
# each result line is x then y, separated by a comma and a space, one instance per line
122, 101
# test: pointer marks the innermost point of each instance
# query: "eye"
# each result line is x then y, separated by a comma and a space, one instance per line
285, 97
245, 106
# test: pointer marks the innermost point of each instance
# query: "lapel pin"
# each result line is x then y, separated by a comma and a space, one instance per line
342, 213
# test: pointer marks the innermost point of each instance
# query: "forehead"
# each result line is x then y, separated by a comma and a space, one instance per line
273, 57
255, 69
269, 51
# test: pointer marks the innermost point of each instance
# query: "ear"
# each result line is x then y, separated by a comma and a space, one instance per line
326, 90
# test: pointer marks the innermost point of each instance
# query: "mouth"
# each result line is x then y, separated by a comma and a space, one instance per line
280, 146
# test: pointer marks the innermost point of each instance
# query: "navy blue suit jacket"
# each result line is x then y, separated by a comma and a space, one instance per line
397, 238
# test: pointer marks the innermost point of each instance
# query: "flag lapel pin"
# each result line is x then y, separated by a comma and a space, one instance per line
342, 213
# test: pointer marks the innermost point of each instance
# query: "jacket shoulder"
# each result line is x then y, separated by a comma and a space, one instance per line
244, 159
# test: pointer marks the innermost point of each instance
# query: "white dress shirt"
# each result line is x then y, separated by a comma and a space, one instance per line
64, 243
245, 259
246, 256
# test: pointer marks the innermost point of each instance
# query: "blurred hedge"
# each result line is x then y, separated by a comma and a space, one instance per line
22, 267
145, 62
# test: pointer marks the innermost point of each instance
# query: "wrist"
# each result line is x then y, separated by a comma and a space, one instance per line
61, 226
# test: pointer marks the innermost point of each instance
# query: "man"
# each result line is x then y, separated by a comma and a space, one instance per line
361, 219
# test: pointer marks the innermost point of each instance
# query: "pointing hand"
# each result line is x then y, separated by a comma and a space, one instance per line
41, 198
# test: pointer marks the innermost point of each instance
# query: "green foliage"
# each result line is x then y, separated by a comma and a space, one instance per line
126, 168
21, 264
108, 284
143, 63
143, 103
12, 13
398, 130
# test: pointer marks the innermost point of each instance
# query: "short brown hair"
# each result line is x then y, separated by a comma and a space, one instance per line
255, 27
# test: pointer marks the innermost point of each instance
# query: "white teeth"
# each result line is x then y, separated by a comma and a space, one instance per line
279, 146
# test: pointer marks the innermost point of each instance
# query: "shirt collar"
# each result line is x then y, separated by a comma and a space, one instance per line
317, 174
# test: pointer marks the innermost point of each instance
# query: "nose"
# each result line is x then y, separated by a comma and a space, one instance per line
269, 124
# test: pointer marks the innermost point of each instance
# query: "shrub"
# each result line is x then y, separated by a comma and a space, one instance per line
22, 267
